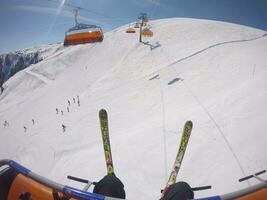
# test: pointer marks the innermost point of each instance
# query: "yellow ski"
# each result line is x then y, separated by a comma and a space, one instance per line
180, 155
103, 118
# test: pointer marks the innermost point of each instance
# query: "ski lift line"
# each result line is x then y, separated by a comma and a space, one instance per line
157, 77
74, 6
81, 8
218, 128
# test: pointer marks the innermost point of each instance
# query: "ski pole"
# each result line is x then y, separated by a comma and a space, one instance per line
88, 183
201, 188
251, 176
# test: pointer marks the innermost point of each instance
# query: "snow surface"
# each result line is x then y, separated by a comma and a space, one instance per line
222, 87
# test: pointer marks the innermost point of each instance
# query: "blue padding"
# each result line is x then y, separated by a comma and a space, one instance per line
82, 194
19, 167
210, 198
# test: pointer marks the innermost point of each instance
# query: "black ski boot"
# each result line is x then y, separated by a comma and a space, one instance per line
110, 186
179, 191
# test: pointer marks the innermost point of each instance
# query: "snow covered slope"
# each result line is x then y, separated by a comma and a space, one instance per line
220, 72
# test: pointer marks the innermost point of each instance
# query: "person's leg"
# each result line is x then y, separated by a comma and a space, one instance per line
179, 190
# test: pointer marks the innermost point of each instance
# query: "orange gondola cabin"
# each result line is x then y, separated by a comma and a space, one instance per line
130, 30
147, 32
83, 33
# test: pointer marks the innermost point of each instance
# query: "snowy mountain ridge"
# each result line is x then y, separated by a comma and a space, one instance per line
210, 72
12, 62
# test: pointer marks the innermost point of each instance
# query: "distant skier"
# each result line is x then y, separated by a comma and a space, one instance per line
180, 190
64, 128
110, 186
73, 100
2, 89
25, 128
61, 112
69, 102
78, 97
57, 110
33, 121
6, 124
68, 109
78, 103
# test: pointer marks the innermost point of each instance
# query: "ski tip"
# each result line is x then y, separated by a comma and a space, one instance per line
189, 123
102, 112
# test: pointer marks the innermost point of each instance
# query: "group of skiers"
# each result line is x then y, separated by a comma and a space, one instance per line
69, 104
6, 124
25, 128
74, 100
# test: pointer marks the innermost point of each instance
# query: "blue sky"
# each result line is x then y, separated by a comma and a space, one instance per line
25, 23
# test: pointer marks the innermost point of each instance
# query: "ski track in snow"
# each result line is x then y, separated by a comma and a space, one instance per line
38, 76
203, 50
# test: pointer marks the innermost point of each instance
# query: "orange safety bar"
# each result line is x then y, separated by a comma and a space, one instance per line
23, 185
257, 195
81, 38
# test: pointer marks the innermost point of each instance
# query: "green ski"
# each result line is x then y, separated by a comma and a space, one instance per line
179, 157
103, 118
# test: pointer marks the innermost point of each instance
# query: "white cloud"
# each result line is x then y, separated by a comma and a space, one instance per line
154, 2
